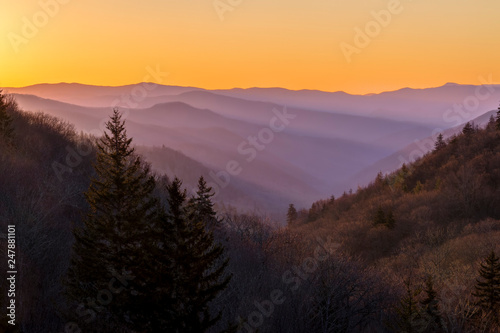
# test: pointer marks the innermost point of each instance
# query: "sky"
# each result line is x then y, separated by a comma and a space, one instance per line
357, 46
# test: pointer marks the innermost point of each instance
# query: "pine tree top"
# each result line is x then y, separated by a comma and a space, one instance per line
440, 143
291, 215
468, 129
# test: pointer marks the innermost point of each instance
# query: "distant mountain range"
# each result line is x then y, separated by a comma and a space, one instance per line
263, 148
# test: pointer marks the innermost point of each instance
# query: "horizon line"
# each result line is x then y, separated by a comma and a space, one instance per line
241, 88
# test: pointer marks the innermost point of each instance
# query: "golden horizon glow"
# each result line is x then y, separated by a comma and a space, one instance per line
288, 43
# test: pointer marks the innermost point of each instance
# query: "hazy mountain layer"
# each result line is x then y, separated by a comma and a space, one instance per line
265, 148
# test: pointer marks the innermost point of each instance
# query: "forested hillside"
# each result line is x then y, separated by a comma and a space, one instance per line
104, 244
42, 180
438, 217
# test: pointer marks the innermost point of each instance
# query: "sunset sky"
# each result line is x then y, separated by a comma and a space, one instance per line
294, 44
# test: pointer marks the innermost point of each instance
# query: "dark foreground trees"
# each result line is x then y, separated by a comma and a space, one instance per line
135, 264
112, 242
409, 317
487, 288
198, 262
6, 129
201, 208
430, 306
260, 255
497, 120
440, 143
291, 215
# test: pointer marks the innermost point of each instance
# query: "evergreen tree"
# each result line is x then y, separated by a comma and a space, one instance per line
390, 221
332, 199
498, 119
439, 142
382, 217
380, 181
6, 129
380, 178
201, 207
199, 271
418, 187
453, 139
115, 235
401, 176
409, 318
468, 129
430, 304
379, 217
314, 212
491, 123
154, 308
487, 288
291, 215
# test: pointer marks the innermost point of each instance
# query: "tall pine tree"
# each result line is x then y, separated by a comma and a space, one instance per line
431, 313
114, 239
487, 288
199, 265
182, 265
491, 123
468, 129
390, 221
291, 215
201, 208
409, 317
439, 142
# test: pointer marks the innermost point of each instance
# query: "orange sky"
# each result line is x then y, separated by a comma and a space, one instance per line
295, 44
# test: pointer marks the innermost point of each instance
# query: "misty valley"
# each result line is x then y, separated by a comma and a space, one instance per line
158, 208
